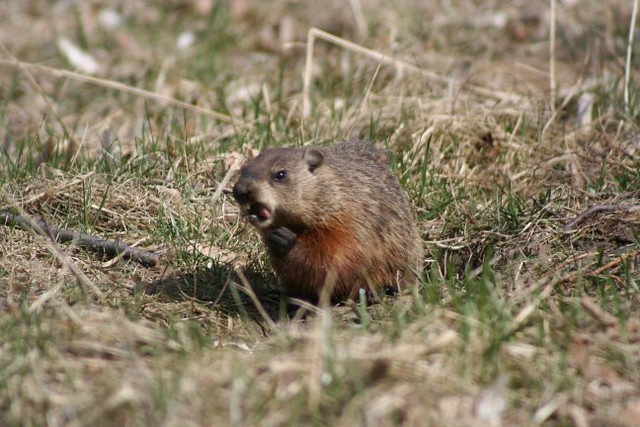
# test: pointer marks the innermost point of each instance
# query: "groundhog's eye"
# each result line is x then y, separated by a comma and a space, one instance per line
281, 175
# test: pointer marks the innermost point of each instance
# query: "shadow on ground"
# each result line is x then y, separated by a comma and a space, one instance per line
248, 293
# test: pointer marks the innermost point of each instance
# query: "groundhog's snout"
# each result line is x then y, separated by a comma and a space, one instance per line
259, 213
242, 191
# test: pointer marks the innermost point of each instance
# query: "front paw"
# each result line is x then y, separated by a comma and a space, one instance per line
281, 240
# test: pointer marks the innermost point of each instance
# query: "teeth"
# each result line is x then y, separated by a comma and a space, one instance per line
257, 214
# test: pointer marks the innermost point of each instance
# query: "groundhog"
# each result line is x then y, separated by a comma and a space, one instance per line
334, 219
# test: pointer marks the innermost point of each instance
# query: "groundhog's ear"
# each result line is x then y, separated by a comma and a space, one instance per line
313, 158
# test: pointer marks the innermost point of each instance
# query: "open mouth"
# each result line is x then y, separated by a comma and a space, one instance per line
258, 213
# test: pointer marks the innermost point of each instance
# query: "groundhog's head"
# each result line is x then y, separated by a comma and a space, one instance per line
278, 187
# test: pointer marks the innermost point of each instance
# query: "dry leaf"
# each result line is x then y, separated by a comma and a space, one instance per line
109, 18
491, 402
221, 255
580, 350
185, 40
233, 161
240, 10
204, 7
78, 59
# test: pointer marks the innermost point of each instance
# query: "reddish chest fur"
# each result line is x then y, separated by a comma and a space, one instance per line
323, 257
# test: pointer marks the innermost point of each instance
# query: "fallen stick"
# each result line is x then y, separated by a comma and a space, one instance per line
596, 209
91, 243
592, 210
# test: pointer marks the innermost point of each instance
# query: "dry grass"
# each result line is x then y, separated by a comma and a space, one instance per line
529, 313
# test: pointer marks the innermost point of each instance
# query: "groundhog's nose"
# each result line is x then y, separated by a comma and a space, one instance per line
242, 191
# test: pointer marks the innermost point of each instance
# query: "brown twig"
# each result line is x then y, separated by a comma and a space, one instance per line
615, 262
86, 241
594, 210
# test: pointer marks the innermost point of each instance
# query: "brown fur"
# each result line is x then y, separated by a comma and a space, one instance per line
352, 221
